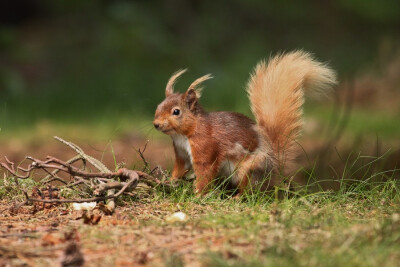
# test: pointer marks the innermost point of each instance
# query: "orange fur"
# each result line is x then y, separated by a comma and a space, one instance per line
276, 92
229, 143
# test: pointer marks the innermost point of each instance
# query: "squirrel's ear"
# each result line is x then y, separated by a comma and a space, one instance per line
190, 98
169, 90
195, 85
194, 92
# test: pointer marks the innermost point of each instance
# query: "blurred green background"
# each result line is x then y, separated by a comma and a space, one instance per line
106, 62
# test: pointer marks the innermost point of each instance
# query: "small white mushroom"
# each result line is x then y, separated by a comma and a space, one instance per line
176, 217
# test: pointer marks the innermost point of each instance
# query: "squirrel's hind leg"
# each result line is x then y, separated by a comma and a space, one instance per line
243, 177
254, 174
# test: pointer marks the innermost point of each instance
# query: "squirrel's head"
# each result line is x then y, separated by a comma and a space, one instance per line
177, 113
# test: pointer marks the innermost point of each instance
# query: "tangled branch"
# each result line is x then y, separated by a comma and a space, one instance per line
103, 183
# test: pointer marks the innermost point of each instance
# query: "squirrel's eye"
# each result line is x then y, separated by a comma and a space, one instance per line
176, 112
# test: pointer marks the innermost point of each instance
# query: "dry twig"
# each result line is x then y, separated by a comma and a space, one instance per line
103, 183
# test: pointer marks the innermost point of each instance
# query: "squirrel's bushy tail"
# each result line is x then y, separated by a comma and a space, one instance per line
276, 91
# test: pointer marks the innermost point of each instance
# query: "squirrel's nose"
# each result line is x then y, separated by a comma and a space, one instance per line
156, 125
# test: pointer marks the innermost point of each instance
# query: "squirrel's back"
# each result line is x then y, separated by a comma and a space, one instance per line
276, 92
232, 128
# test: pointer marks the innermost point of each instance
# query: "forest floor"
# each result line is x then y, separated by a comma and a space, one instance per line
357, 224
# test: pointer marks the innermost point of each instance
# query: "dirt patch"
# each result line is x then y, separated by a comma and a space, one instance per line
134, 235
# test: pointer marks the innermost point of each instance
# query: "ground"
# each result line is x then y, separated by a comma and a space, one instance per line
356, 227
357, 224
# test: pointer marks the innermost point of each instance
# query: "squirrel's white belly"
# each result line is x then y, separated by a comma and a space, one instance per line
183, 148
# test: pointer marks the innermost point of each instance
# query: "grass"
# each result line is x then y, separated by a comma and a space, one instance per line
360, 122
103, 128
358, 225
351, 227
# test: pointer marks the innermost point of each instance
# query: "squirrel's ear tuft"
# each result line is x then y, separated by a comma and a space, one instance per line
196, 83
190, 98
169, 90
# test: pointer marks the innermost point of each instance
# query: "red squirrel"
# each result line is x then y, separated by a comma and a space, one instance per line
230, 144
